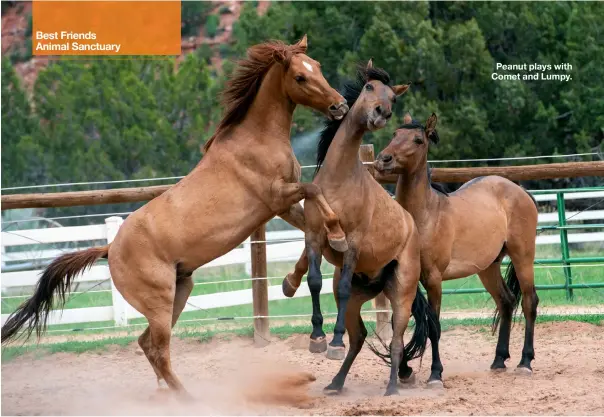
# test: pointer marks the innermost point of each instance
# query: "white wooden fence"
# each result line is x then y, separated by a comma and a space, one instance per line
287, 247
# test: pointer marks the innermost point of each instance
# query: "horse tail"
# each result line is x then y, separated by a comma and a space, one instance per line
56, 281
426, 322
513, 289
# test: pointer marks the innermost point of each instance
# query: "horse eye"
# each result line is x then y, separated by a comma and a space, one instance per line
418, 141
300, 78
369, 87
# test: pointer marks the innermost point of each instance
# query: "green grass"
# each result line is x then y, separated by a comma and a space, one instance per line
12, 352
585, 275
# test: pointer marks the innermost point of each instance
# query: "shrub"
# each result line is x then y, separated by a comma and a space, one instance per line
212, 23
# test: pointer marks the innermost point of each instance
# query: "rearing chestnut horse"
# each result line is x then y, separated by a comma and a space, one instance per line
248, 175
467, 232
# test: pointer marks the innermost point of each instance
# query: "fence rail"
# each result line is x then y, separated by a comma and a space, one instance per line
131, 195
282, 246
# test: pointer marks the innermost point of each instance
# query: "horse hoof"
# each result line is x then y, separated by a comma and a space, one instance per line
318, 345
332, 389
161, 394
185, 397
338, 244
498, 367
435, 384
410, 380
523, 370
336, 353
288, 289
390, 391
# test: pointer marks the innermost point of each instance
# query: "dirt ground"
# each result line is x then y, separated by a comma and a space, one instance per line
231, 377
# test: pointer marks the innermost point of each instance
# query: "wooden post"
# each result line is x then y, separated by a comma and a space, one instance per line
120, 305
260, 287
382, 326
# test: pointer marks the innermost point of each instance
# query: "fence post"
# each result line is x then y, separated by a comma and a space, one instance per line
247, 267
120, 306
568, 278
260, 287
382, 324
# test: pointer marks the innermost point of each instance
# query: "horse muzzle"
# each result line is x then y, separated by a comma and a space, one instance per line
338, 111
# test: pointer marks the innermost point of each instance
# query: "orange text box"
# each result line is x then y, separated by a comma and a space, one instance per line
106, 28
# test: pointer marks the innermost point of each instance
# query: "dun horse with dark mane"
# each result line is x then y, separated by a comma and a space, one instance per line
383, 242
231, 192
468, 232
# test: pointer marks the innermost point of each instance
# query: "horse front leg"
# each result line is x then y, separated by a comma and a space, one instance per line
288, 194
294, 215
292, 281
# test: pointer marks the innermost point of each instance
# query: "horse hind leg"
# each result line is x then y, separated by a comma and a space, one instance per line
504, 299
184, 286
521, 277
523, 274
318, 343
357, 333
153, 291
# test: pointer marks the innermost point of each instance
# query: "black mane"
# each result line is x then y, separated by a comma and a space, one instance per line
434, 139
351, 92
435, 185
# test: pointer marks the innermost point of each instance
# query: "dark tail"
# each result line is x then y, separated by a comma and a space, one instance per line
513, 286
425, 322
55, 281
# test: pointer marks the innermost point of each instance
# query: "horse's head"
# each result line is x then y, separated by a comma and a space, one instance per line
373, 107
305, 84
408, 147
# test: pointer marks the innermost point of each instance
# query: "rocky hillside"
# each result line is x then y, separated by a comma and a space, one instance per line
16, 34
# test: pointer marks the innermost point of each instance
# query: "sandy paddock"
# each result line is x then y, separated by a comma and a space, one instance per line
233, 377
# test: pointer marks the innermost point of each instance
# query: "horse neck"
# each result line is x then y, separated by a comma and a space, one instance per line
269, 118
343, 155
415, 194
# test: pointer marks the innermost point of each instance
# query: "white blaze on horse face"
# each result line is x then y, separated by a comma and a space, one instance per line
307, 66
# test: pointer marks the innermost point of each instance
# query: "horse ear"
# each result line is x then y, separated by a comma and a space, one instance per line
431, 129
407, 119
369, 64
303, 43
399, 90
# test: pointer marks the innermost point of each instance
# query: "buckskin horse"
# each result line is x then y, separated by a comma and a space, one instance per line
383, 242
248, 175
467, 232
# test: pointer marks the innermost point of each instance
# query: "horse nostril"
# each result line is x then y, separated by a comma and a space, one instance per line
333, 107
378, 110
387, 115
386, 158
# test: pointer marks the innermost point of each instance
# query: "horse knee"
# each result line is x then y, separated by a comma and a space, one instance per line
315, 282
344, 289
